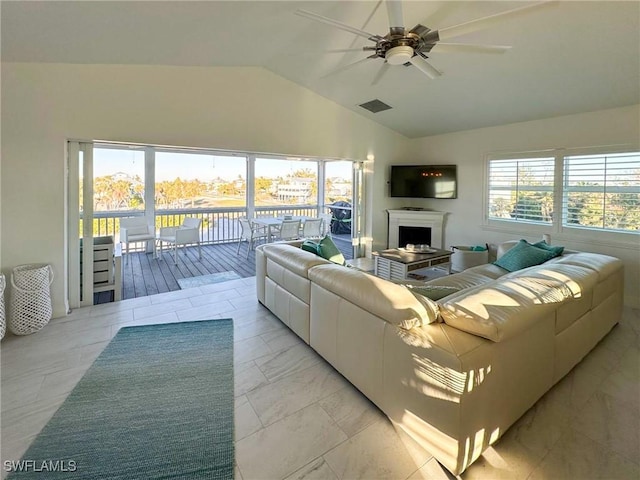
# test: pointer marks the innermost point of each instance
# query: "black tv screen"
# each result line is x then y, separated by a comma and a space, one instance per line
424, 181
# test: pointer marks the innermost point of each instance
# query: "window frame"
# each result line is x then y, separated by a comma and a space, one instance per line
544, 156
625, 239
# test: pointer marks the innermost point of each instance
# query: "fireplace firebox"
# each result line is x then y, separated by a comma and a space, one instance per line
414, 235
416, 221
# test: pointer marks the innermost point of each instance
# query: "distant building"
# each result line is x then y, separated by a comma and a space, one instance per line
340, 189
297, 190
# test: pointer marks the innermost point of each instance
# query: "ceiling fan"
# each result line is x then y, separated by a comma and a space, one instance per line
411, 47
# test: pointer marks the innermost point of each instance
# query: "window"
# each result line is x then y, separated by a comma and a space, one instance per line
286, 182
521, 190
338, 182
594, 191
602, 191
199, 180
118, 179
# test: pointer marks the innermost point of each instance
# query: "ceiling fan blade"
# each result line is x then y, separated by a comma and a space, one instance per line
441, 11
366, 22
480, 23
383, 69
468, 48
425, 67
356, 39
394, 11
337, 24
329, 52
346, 67
373, 12
344, 50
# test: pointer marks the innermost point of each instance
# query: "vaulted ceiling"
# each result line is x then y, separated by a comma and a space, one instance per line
567, 58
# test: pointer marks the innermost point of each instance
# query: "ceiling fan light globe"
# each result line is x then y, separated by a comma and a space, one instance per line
399, 55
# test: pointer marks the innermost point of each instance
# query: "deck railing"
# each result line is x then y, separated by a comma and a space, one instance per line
219, 225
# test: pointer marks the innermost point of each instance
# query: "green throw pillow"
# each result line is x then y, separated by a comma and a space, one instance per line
434, 292
523, 255
328, 250
311, 246
545, 246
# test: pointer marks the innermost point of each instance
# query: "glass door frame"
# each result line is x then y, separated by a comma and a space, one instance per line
80, 160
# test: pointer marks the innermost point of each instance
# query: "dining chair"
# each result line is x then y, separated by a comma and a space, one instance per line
312, 228
135, 230
250, 232
326, 224
186, 234
289, 230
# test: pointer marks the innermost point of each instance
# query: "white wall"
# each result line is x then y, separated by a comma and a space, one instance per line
468, 150
248, 109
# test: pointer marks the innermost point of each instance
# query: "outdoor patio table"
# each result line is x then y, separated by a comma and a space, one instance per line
271, 222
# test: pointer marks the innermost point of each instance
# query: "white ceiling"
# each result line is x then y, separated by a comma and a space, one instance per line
570, 58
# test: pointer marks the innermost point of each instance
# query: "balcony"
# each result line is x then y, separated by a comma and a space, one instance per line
220, 231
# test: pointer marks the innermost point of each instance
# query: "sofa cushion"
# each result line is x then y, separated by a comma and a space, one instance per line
393, 303
310, 246
500, 309
523, 255
603, 265
432, 292
557, 250
471, 277
497, 311
328, 250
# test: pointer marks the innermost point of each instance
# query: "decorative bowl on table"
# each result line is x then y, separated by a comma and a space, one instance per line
418, 248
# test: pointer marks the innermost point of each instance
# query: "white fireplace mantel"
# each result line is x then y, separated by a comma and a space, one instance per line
417, 218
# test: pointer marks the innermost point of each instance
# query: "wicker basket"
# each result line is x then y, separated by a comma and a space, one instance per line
463, 258
3, 321
30, 299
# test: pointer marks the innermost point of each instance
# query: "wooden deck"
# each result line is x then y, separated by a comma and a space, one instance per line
143, 275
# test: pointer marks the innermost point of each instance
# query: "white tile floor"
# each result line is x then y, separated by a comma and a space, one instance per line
296, 417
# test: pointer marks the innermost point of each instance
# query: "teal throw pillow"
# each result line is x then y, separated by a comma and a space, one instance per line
523, 255
311, 246
328, 250
434, 292
545, 246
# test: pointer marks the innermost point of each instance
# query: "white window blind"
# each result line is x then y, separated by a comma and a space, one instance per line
602, 192
521, 190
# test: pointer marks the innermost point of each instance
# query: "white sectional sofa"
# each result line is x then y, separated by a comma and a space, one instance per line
457, 374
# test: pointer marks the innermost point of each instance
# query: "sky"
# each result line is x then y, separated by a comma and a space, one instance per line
170, 165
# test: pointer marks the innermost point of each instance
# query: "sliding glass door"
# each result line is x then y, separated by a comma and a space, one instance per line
108, 182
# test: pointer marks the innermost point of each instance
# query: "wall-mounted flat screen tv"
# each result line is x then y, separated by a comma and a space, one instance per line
424, 181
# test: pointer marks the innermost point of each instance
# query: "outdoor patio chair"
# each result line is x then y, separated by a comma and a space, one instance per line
135, 230
312, 228
289, 230
186, 234
250, 232
326, 224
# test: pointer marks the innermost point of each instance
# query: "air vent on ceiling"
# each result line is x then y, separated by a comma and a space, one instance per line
375, 106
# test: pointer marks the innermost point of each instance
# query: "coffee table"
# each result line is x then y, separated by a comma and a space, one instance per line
399, 263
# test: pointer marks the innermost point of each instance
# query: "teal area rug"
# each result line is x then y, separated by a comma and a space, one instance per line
156, 404
192, 282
